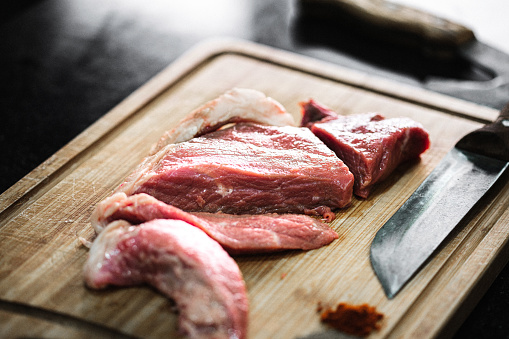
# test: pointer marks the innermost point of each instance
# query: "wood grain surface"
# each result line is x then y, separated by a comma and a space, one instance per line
42, 217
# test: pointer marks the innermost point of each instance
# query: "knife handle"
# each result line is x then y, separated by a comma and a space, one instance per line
394, 23
491, 140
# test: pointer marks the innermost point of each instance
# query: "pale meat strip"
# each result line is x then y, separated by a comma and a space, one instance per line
238, 234
236, 105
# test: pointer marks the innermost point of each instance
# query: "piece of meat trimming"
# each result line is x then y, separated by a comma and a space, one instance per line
235, 105
313, 111
184, 264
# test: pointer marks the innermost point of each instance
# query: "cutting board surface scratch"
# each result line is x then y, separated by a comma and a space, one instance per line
45, 214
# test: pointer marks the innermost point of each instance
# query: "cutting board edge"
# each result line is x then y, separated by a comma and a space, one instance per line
446, 316
337, 73
462, 308
472, 298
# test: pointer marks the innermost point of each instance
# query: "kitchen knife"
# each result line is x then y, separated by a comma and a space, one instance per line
461, 179
439, 39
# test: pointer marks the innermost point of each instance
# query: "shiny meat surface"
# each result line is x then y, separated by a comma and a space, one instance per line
246, 169
236, 105
184, 264
371, 146
238, 234
270, 232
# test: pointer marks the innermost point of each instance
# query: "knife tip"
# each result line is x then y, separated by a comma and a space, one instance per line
390, 285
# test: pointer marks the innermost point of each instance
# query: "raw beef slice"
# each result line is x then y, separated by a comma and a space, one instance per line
370, 145
184, 264
246, 169
236, 233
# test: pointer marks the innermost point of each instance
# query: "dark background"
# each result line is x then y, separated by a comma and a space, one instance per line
64, 64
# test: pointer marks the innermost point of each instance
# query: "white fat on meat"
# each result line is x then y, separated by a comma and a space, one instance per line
184, 264
236, 105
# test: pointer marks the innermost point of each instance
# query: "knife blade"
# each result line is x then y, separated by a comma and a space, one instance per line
405, 242
441, 40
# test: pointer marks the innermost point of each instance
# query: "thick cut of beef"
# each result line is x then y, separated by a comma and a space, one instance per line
246, 169
371, 146
236, 233
184, 264
235, 105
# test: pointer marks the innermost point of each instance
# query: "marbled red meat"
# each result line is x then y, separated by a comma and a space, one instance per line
184, 264
371, 146
245, 169
236, 233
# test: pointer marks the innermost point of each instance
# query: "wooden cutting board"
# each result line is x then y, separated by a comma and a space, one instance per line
42, 217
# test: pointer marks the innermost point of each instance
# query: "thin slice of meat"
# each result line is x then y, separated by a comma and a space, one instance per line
269, 232
246, 169
184, 264
238, 234
236, 105
371, 146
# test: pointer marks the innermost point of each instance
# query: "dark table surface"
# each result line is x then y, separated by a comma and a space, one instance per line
64, 64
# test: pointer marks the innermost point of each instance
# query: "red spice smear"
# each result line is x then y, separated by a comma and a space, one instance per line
357, 320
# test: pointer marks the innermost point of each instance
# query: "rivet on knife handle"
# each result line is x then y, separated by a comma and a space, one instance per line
393, 21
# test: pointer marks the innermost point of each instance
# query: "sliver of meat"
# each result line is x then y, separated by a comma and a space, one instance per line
245, 169
313, 111
236, 105
184, 264
236, 233
370, 145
